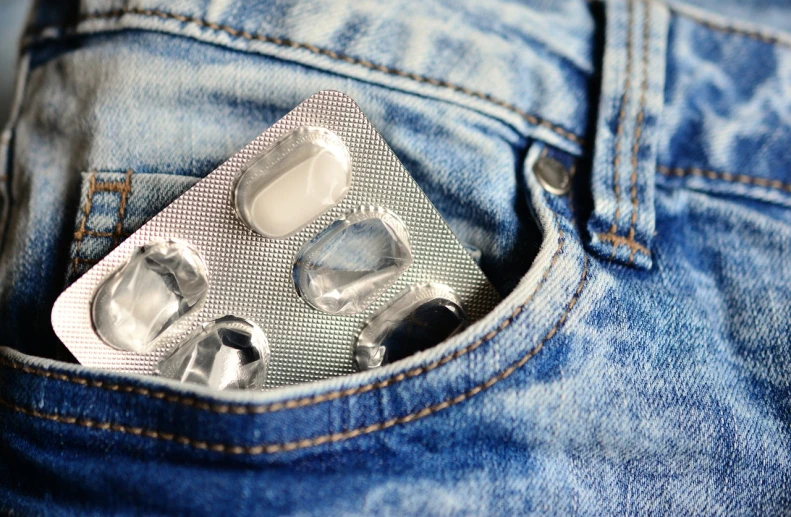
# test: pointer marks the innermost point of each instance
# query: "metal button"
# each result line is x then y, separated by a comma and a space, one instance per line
552, 175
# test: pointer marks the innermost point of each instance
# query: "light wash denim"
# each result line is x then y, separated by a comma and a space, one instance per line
640, 362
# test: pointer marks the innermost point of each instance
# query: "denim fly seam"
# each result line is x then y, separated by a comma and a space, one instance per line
624, 164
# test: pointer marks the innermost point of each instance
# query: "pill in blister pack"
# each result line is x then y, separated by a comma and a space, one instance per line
303, 175
420, 318
309, 253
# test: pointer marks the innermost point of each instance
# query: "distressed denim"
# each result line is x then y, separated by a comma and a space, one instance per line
640, 361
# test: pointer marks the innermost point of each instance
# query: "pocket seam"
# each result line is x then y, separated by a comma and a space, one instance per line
758, 33
245, 409
755, 181
333, 437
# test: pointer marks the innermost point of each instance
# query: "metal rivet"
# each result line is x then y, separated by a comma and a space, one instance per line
552, 175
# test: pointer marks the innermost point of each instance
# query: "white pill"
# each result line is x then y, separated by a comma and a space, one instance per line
299, 178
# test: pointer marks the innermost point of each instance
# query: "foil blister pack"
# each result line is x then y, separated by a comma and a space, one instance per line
310, 253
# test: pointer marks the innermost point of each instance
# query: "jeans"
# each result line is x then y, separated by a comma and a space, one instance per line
640, 361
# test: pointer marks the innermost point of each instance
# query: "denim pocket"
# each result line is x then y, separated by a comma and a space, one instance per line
179, 126
114, 205
171, 124
172, 423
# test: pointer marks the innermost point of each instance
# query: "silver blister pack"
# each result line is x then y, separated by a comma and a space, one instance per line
296, 260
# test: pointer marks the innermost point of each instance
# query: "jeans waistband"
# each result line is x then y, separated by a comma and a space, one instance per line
535, 67
528, 64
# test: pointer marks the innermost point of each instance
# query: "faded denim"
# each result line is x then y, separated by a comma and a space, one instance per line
639, 363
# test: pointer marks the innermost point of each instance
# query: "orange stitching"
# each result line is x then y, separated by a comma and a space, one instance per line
80, 260
122, 207
86, 212
725, 176
94, 233
122, 187
283, 42
730, 29
766, 38
296, 403
754, 34
638, 131
319, 440
111, 186
617, 240
627, 84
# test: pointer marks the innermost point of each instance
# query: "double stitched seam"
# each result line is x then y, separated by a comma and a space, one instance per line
612, 236
124, 188
730, 29
323, 439
93, 233
86, 212
627, 84
720, 27
725, 176
296, 403
122, 207
284, 42
639, 125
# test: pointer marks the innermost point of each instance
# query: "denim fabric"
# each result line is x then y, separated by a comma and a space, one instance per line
640, 361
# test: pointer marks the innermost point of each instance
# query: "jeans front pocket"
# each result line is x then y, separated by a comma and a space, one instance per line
275, 449
105, 441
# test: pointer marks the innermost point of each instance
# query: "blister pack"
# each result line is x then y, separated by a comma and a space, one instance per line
310, 253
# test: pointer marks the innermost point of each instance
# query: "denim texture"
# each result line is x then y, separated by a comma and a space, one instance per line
639, 363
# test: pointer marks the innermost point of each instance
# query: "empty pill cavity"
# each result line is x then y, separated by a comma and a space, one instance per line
349, 264
224, 354
160, 283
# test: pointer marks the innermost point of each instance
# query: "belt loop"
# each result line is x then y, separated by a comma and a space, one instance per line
624, 163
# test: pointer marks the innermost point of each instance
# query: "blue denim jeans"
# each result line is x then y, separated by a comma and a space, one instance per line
640, 361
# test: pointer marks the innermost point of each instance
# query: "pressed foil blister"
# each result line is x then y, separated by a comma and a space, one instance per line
291, 262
